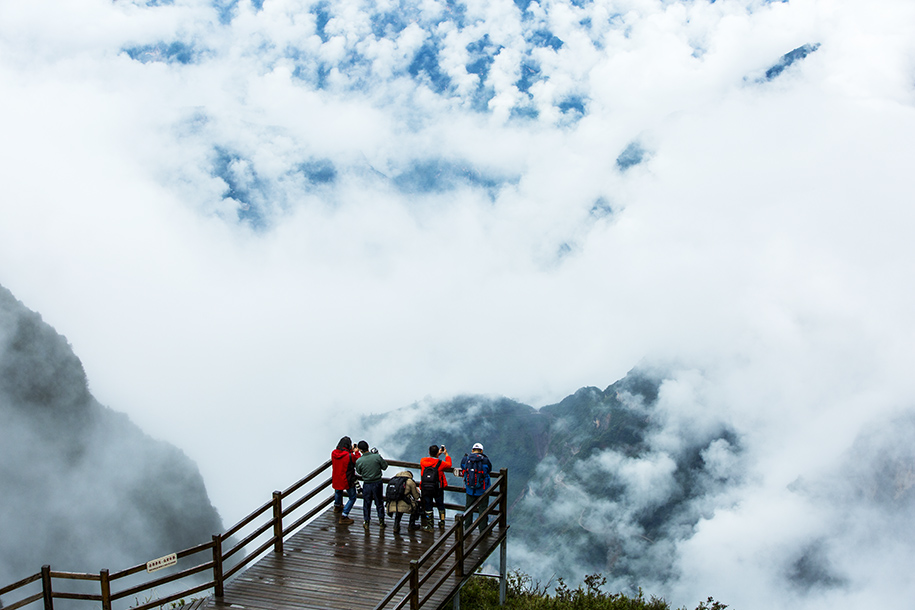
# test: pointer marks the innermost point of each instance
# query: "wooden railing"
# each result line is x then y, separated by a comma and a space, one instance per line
222, 557
452, 561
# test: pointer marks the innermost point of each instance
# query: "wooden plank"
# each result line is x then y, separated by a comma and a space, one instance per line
326, 566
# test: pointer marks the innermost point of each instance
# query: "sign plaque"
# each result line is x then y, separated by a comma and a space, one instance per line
161, 562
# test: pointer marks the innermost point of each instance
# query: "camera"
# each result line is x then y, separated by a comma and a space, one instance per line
442, 447
374, 450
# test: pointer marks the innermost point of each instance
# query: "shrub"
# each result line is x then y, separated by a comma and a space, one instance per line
524, 593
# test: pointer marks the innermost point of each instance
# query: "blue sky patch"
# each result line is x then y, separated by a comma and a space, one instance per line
479, 100
440, 175
790, 58
545, 38
601, 208
174, 52
388, 25
573, 104
319, 171
242, 185
632, 155
524, 113
456, 13
322, 16
225, 9
482, 55
425, 67
530, 74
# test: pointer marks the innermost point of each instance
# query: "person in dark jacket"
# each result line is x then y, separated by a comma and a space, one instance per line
343, 463
369, 467
475, 469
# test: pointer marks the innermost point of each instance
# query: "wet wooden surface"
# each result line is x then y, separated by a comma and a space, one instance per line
326, 565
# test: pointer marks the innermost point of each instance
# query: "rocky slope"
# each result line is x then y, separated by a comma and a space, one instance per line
620, 480
83, 488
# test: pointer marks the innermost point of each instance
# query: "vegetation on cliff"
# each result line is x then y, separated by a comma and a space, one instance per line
524, 593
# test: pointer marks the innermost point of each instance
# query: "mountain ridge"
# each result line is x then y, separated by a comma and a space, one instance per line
83, 487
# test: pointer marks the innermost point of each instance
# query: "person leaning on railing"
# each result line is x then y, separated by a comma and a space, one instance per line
475, 469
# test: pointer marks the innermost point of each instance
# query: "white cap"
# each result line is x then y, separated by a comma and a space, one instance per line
478, 446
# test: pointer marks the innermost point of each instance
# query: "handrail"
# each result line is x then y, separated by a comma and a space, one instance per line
449, 563
245, 521
308, 477
21, 583
414, 583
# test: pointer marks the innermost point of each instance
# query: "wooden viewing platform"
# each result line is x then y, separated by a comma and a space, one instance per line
314, 563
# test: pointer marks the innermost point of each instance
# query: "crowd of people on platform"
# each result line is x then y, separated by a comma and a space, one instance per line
355, 464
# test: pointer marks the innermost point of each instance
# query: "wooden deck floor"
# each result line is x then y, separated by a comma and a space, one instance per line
327, 566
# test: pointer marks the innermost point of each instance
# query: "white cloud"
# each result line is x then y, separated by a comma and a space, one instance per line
765, 243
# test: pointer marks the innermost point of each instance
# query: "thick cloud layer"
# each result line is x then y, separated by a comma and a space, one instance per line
254, 220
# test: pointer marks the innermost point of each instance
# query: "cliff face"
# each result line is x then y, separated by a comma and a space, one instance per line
596, 478
81, 487
620, 480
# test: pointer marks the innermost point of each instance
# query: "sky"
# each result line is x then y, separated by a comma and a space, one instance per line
256, 221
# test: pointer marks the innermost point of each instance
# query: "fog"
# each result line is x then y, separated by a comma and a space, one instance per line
257, 221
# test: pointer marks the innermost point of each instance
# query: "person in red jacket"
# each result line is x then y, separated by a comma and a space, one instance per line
434, 490
343, 461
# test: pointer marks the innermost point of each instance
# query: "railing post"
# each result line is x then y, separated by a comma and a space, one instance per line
503, 499
46, 587
414, 585
106, 589
277, 522
217, 566
459, 544
503, 575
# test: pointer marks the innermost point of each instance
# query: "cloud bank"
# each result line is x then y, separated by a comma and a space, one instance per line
257, 220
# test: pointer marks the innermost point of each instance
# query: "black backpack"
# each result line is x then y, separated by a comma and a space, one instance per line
397, 490
430, 478
474, 473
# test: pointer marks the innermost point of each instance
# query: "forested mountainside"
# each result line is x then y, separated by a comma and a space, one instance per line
616, 480
587, 480
81, 487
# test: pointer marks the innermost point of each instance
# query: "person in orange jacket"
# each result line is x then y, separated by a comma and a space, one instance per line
433, 487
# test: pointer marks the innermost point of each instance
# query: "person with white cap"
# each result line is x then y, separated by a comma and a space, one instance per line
475, 468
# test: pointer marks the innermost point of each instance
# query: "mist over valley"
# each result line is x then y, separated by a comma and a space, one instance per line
655, 254
82, 488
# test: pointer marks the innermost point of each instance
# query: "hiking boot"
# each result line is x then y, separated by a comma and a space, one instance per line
396, 529
427, 527
346, 521
365, 525
382, 525
338, 509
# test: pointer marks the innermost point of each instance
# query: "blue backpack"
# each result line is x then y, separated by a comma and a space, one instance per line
474, 472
